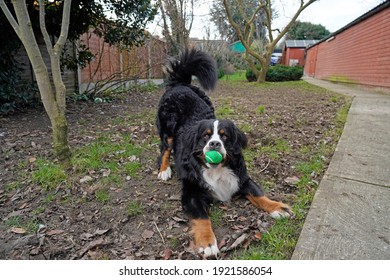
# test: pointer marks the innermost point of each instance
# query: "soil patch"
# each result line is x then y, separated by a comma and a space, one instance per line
92, 214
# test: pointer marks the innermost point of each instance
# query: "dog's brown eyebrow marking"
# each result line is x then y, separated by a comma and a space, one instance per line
209, 131
221, 131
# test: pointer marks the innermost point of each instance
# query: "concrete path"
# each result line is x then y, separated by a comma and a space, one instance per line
350, 214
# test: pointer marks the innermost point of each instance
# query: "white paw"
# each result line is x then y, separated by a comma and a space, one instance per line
165, 175
211, 250
280, 214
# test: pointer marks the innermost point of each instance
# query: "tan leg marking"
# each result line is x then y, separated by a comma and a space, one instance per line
204, 238
165, 171
275, 208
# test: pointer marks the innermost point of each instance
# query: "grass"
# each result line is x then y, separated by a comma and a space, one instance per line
29, 225
245, 127
224, 112
238, 76
277, 244
216, 216
106, 154
134, 208
275, 149
48, 175
260, 109
132, 168
12, 186
103, 195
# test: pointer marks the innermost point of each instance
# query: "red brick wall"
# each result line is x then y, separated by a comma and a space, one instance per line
360, 54
311, 61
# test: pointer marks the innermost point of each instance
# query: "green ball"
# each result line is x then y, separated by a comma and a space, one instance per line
213, 157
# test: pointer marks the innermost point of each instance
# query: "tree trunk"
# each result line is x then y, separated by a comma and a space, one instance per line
264, 67
55, 108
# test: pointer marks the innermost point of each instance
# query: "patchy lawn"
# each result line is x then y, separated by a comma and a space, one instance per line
111, 205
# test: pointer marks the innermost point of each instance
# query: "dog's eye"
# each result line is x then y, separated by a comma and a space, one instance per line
224, 137
206, 137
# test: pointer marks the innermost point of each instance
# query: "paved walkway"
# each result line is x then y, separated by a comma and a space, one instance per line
350, 214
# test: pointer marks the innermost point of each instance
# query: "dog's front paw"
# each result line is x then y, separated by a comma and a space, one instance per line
276, 209
210, 251
165, 175
204, 238
282, 211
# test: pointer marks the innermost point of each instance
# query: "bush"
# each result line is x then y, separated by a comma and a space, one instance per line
13, 93
281, 73
278, 73
250, 76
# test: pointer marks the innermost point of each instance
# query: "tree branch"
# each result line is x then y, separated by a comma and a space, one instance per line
9, 16
65, 23
42, 24
302, 7
239, 33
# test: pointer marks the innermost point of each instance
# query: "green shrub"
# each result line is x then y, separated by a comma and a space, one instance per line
14, 94
278, 73
250, 76
220, 72
281, 73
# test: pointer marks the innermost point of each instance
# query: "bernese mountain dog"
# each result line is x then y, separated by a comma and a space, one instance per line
188, 128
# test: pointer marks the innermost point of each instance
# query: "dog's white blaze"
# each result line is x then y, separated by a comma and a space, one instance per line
222, 182
215, 137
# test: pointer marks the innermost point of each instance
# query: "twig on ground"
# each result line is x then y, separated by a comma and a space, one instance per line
159, 232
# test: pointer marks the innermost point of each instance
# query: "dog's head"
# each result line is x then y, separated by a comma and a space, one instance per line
219, 135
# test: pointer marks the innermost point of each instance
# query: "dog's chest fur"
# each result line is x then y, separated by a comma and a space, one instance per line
222, 182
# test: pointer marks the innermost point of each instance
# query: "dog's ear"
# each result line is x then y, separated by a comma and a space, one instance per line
190, 139
241, 141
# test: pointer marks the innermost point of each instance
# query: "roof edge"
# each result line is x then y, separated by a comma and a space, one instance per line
373, 11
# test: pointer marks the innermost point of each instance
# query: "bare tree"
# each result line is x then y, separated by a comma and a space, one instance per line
177, 17
261, 55
53, 98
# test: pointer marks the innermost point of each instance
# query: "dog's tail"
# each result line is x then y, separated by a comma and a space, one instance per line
196, 63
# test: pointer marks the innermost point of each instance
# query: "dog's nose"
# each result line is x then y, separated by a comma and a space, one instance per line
215, 145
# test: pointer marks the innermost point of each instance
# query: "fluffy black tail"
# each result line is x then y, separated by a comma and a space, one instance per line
193, 63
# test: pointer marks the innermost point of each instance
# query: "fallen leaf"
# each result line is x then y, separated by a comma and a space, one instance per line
242, 219
167, 253
101, 231
147, 234
258, 235
55, 232
24, 205
86, 179
18, 230
292, 180
91, 245
35, 251
238, 241
179, 220
223, 207
86, 236
106, 173
32, 159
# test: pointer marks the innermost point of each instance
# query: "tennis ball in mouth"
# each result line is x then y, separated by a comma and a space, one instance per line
213, 157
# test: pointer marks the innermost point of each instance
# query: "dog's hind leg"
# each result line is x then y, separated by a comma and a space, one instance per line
165, 171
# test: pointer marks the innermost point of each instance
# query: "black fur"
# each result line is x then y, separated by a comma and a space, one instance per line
185, 113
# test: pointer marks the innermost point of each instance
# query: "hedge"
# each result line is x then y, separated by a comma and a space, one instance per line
278, 73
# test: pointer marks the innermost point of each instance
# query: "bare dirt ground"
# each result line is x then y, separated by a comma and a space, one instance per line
141, 217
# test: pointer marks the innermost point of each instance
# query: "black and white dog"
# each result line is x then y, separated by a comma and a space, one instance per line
187, 125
